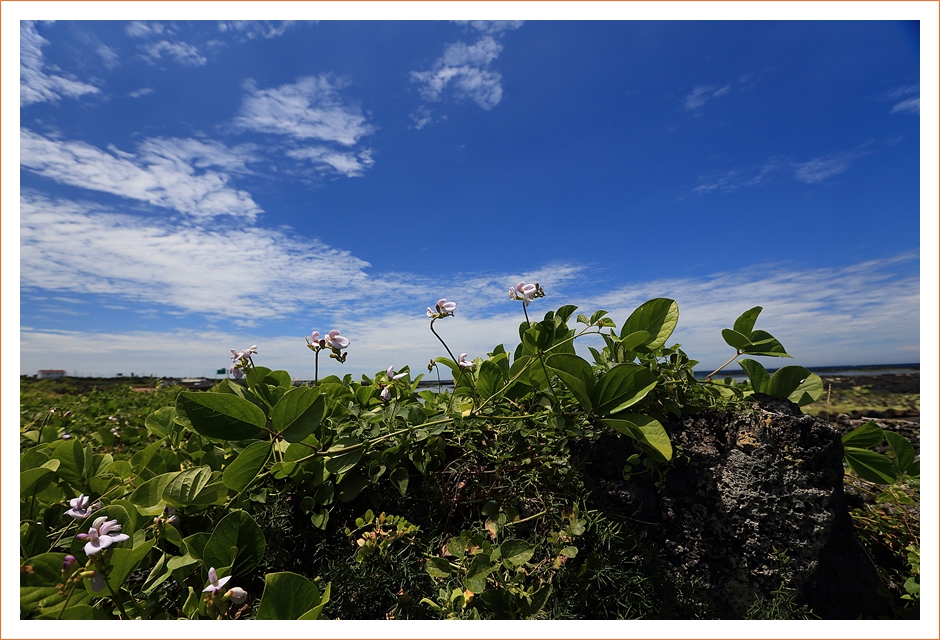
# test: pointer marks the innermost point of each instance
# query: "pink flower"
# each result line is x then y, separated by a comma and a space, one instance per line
462, 361
385, 394
442, 309
100, 537
392, 375
237, 595
335, 341
525, 292
80, 508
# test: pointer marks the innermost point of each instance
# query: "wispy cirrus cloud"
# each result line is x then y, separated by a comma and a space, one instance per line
163, 172
184, 53
908, 103
464, 69
702, 94
251, 29
36, 85
824, 167
311, 110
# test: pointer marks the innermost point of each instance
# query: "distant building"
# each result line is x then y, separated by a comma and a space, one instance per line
51, 373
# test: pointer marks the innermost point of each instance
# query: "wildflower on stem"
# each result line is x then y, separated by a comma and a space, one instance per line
100, 537
442, 309
80, 507
215, 582
335, 341
464, 363
526, 292
241, 361
392, 375
236, 594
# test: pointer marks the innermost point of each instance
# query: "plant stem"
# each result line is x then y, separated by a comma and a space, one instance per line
451, 354
708, 378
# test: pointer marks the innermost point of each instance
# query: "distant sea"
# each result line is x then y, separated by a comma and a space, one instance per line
823, 372
830, 372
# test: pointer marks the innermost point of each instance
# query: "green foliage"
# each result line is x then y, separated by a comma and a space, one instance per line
231, 500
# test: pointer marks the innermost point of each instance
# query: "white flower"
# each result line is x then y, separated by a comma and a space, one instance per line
392, 375
237, 595
462, 361
525, 292
385, 394
335, 341
80, 508
215, 583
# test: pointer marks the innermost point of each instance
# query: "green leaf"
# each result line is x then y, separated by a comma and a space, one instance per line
760, 379
246, 467
287, 596
437, 567
490, 379
902, 451
864, 437
634, 340
150, 493
735, 339
186, 485
124, 560
298, 413
237, 541
34, 481
161, 422
399, 479
481, 567
808, 392
744, 325
622, 386
534, 603
221, 416
576, 374
279, 378
351, 486
764, 344
658, 316
645, 430
869, 465
786, 380
343, 462
71, 456
516, 553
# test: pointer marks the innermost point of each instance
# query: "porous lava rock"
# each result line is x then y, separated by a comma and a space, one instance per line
754, 500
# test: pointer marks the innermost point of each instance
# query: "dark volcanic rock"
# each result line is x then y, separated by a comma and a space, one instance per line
744, 487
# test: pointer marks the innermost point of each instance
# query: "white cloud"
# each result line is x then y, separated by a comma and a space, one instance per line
75, 247
911, 104
143, 29
109, 56
162, 174
702, 94
251, 29
463, 68
735, 179
184, 53
309, 109
866, 313
140, 92
35, 84
819, 169
343, 162
491, 27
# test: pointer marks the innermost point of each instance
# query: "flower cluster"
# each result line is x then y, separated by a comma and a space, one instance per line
386, 392
241, 360
526, 292
332, 341
100, 535
442, 309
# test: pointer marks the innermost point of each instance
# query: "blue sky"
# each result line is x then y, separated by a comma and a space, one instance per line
187, 187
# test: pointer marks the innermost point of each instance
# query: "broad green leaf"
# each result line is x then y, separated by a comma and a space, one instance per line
33, 540
343, 462
744, 325
622, 386
39, 577
71, 456
809, 391
516, 553
902, 450
186, 485
576, 374
735, 339
351, 486
786, 380
124, 560
658, 316
221, 416
287, 596
490, 379
871, 466
764, 344
279, 378
437, 567
644, 429
75, 612
481, 567
150, 493
237, 541
33, 457
35, 480
760, 379
161, 422
634, 340
314, 613
298, 413
246, 467
864, 437
564, 312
